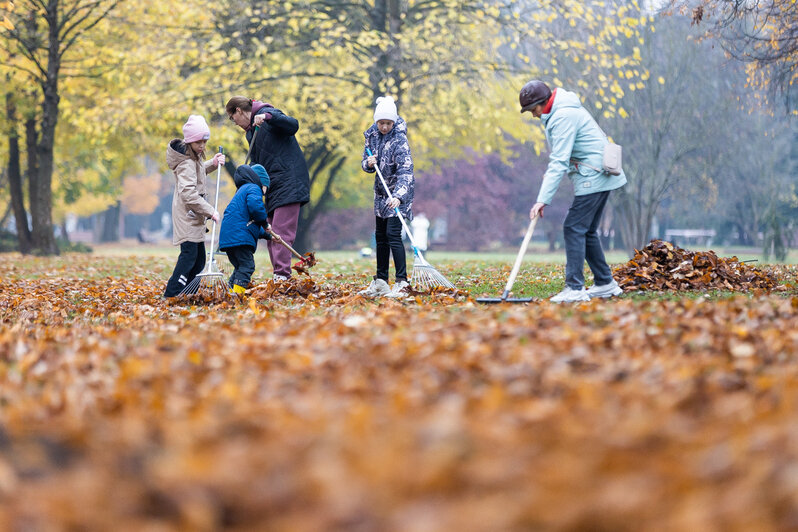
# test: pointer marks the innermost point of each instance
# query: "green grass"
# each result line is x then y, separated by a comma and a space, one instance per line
479, 274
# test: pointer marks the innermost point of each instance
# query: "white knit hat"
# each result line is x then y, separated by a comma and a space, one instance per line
386, 109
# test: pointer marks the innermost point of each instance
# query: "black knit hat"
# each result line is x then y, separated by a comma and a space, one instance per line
534, 93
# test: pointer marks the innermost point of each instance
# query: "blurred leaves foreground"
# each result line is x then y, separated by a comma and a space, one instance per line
324, 411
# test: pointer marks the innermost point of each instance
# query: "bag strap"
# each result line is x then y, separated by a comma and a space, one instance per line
577, 163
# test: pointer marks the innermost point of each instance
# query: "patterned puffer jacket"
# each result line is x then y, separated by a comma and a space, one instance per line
396, 165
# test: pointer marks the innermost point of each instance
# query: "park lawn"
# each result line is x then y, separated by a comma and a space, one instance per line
325, 411
480, 274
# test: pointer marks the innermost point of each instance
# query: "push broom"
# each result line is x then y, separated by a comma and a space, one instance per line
423, 275
514, 272
210, 282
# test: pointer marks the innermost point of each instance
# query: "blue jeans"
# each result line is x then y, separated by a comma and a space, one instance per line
580, 231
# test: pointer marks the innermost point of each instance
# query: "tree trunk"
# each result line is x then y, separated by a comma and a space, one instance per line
302, 241
395, 50
634, 223
64, 232
15, 179
41, 180
308, 215
109, 231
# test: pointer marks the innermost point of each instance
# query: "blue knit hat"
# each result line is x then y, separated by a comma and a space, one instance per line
264, 176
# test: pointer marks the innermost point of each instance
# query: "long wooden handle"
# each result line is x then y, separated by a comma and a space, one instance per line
251, 143
519, 258
277, 238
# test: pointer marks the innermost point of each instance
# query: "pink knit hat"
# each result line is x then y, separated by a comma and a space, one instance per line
195, 129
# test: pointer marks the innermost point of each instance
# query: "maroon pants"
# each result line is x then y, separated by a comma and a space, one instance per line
284, 221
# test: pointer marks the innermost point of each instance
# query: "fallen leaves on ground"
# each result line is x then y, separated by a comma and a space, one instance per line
272, 291
308, 407
664, 266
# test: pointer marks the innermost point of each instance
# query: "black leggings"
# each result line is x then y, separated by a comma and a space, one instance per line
388, 234
189, 263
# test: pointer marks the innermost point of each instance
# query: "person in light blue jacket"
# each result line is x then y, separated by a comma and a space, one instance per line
577, 149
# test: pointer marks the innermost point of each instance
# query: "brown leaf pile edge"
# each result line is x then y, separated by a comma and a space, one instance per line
663, 266
305, 288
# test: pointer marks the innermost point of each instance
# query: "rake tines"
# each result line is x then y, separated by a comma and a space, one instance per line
209, 286
426, 277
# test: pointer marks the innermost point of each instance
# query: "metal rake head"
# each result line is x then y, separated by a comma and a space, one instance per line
208, 287
426, 277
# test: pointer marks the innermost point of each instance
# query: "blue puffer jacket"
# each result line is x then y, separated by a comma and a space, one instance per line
396, 165
573, 135
245, 215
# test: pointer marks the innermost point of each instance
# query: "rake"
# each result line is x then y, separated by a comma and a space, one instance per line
514, 272
423, 275
210, 283
306, 261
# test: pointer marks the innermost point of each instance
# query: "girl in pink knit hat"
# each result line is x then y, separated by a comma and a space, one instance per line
190, 209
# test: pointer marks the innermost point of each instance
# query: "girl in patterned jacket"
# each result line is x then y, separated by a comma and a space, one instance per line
387, 141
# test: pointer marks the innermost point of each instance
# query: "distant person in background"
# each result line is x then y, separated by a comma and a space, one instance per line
387, 141
577, 148
166, 225
190, 209
271, 136
420, 228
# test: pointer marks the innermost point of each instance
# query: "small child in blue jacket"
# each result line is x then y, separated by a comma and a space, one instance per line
245, 220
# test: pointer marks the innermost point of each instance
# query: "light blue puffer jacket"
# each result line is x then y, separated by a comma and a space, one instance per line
573, 134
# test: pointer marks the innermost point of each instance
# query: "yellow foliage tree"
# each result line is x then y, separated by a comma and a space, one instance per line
140, 193
454, 66
763, 34
136, 71
108, 90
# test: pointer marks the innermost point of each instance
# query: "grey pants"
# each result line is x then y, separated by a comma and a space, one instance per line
580, 231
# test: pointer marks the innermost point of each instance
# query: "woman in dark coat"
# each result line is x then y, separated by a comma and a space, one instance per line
271, 135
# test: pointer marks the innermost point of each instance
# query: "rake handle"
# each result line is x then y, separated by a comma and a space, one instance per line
251, 143
215, 209
396, 209
277, 238
519, 258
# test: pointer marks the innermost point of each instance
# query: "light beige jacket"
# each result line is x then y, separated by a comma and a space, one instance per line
190, 210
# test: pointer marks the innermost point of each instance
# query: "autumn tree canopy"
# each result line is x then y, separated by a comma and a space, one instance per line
763, 34
455, 67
